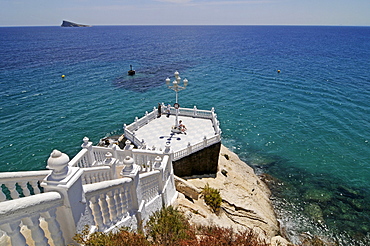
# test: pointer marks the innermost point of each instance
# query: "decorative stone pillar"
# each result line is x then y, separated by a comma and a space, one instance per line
195, 111
58, 163
88, 145
205, 141
131, 170
68, 182
127, 150
157, 162
147, 117
190, 148
111, 162
168, 151
136, 124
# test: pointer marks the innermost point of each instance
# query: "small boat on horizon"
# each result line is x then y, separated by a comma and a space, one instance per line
131, 72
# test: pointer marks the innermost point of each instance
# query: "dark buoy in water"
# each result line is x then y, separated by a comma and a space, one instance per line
278, 71
131, 72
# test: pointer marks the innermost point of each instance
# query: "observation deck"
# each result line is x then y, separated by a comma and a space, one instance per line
156, 133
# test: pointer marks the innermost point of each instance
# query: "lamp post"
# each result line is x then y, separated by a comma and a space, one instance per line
176, 86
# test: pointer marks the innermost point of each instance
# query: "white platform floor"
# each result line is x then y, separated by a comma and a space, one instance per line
158, 132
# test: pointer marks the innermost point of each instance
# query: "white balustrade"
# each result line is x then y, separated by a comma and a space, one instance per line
99, 195
96, 174
149, 185
86, 188
28, 211
21, 184
81, 159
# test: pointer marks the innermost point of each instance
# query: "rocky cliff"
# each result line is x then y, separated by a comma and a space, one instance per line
245, 199
71, 24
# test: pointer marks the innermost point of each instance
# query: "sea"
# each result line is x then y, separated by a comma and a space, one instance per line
293, 102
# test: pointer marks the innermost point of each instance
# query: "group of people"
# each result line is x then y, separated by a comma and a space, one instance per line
181, 126
168, 110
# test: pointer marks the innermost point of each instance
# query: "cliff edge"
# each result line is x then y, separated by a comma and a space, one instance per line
72, 24
245, 199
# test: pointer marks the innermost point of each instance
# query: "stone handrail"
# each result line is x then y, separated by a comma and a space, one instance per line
81, 160
29, 212
131, 135
146, 159
100, 153
20, 184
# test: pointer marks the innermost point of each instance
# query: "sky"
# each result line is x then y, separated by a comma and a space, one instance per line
185, 12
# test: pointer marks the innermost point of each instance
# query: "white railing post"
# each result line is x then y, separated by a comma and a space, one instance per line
131, 170
111, 163
88, 145
195, 111
68, 182
147, 117
190, 148
136, 123
168, 151
161, 181
127, 150
205, 141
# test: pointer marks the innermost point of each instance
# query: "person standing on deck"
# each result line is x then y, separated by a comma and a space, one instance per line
159, 110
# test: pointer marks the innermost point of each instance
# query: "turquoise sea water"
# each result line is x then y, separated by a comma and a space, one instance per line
307, 126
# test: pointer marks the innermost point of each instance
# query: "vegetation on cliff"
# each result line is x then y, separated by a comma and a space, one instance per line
170, 227
212, 197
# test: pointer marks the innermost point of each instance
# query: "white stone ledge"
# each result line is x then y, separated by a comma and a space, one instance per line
27, 206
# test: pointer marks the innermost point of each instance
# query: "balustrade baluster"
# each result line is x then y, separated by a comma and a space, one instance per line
25, 190
126, 198
89, 179
105, 210
13, 230
100, 177
54, 227
2, 195
119, 204
38, 235
35, 186
96, 212
12, 188
112, 206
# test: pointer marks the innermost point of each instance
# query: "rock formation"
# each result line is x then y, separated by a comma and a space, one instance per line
245, 199
71, 24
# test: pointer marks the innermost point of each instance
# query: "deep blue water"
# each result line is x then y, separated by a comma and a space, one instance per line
307, 126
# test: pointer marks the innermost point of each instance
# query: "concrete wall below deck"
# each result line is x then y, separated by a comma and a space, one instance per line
204, 161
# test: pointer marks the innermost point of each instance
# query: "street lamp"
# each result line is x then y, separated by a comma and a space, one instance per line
176, 86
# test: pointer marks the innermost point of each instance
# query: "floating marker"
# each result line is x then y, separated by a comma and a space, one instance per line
278, 71
63, 76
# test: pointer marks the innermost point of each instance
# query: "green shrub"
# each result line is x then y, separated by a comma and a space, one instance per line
168, 227
122, 237
212, 197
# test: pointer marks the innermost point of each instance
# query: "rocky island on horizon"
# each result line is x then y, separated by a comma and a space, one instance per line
72, 24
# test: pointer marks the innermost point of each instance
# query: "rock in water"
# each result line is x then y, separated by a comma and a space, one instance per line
71, 24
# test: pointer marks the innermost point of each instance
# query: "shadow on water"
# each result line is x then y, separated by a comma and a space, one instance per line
320, 204
147, 78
